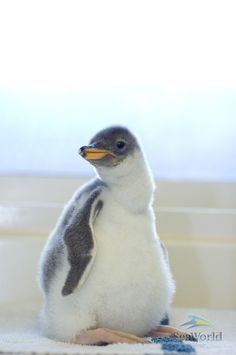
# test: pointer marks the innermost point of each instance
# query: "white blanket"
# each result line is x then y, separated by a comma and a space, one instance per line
19, 334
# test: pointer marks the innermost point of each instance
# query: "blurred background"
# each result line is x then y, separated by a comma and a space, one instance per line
166, 69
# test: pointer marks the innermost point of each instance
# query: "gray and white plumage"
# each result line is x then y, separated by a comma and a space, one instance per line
103, 265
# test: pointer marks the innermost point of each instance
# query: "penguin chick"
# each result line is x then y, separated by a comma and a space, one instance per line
103, 272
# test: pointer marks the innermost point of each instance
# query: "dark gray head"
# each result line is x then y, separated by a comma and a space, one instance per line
110, 147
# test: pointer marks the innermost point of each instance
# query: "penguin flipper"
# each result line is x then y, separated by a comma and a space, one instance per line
79, 241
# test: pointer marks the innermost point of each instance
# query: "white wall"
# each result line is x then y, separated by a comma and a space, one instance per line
196, 221
164, 68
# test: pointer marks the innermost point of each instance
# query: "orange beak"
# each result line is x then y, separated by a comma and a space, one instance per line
90, 153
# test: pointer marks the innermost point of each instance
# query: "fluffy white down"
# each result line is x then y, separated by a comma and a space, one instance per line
130, 286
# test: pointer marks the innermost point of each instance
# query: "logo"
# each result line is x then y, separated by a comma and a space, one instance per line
196, 321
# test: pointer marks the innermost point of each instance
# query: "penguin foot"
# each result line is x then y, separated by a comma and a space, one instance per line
107, 336
167, 331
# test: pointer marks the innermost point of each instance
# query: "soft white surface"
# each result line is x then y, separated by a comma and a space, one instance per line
19, 334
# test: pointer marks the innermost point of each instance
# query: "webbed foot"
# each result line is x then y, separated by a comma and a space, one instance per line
108, 336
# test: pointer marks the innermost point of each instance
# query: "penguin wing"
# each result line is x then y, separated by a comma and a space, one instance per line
79, 239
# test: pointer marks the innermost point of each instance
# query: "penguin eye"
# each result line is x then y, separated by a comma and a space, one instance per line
120, 144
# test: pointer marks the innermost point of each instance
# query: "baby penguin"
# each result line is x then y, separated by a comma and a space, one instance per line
103, 272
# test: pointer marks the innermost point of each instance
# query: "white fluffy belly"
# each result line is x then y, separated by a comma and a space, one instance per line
130, 280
